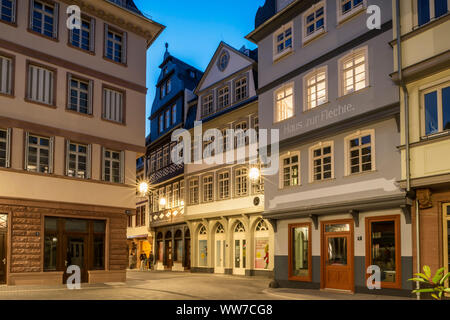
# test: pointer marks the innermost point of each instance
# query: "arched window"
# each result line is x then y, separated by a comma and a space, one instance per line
239, 228
203, 230
262, 226
168, 234
159, 236
220, 229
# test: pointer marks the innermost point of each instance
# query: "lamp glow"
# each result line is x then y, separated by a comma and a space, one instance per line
162, 202
254, 174
143, 187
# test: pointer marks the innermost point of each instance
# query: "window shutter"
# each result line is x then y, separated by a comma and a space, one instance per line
69, 94
89, 161
124, 47
27, 138
13, 14
91, 97
103, 164
50, 160
105, 42
92, 36
31, 14
67, 156
8, 147
122, 167
56, 19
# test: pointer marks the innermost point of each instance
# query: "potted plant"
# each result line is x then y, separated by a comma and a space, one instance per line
435, 285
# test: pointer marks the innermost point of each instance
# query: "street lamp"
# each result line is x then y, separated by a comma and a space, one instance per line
254, 174
162, 202
143, 188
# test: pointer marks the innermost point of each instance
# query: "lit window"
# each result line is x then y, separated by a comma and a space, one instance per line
44, 18
166, 157
224, 185
169, 199
78, 160
290, 170
300, 255
314, 21
241, 89
115, 45
322, 162
360, 152
8, 11
241, 182
240, 130
193, 191
283, 40
83, 38
80, 95
39, 154
353, 70
284, 103
208, 189
436, 102
316, 88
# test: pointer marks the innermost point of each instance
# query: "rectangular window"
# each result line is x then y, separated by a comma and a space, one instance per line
224, 185
130, 221
360, 153
241, 182
113, 164
347, 8
142, 216
322, 162
316, 90
446, 239
291, 169
8, 11
240, 130
159, 160
436, 105
284, 103
354, 70
176, 195
174, 114
138, 217
113, 105
78, 160
283, 40
80, 95
115, 45
314, 21
208, 194
223, 97
193, 191
241, 89
153, 163
428, 10
300, 252
41, 85
383, 246
39, 154
84, 38
161, 123
167, 118
207, 105
166, 157
169, 195
6, 75
44, 18
182, 193
5, 148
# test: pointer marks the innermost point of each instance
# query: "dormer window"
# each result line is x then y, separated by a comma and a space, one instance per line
223, 97
241, 89
314, 21
166, 88
207, 105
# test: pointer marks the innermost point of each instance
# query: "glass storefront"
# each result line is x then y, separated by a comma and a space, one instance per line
300, 263
202, 246
383, 249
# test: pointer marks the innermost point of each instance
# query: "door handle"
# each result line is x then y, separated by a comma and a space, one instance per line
65, 263
4, 261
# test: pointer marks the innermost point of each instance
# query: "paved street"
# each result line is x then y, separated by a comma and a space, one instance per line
176, 286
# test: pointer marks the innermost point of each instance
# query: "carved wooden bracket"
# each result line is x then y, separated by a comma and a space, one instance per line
355, 215
315, 220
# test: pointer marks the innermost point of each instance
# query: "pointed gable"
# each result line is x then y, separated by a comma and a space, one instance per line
225, 62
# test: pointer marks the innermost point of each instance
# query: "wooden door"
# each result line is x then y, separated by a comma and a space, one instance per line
3, 247
240, 254
169, 257
220, 254
76, 254
337, 256
187, 253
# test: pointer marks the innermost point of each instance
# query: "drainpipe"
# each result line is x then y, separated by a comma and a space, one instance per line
407, 140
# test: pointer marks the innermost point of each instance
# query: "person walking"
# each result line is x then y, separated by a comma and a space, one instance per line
150, 260
143, 259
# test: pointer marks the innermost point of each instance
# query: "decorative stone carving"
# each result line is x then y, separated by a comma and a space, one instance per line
424, 197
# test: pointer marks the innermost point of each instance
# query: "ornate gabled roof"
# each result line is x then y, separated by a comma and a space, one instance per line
127, 4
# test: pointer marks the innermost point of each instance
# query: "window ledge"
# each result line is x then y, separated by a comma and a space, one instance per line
322, 181
52, 106
42, 35
280, 189
283, 121
124, 124
317, 34
353, 93
349, 15
360, 174
92, 53
6, 95
281, 56
12, 24
125, 65
79, 113
318, 107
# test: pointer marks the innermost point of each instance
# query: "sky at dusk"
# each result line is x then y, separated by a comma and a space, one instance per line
194, 30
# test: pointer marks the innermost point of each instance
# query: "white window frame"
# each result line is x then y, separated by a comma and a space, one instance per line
283, 89
290, 155
241, 86
223, 185
207, 105
317, 32
91, 31
320, 145
166, 156
194, 191
176, 195
7, 141
13, 12
114, 113
314, 74
77, 155
50, 148
351, 56
241, 180
240, 131
55, 17
182, 195
123, 44
342, 17
426, 90
169, 197
6, 75
46, 93
208, 188
277, 55
110, 159
88, 92
223, 95
347, 149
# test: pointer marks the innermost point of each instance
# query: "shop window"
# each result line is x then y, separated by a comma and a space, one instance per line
262, 248
383, 248
300, 256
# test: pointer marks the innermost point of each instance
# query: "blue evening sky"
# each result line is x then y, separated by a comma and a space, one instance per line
194, 29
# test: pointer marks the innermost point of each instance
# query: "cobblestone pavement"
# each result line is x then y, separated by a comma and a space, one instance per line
176, 286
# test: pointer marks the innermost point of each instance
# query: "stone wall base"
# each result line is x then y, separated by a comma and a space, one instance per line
107, 276
159, 266
35, 279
